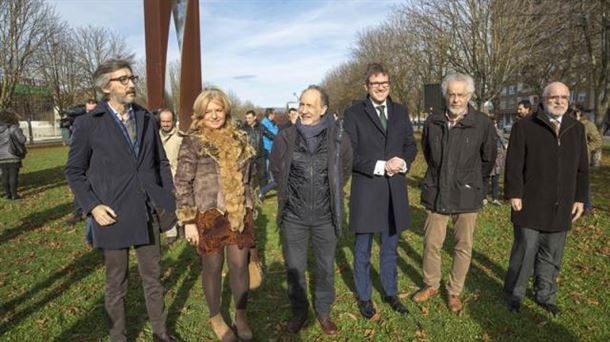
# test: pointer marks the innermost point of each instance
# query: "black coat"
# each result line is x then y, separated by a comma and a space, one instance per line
102, 169
339, 164
548, 173
459, 162
374, 199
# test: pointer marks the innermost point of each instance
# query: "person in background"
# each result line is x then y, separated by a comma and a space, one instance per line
498, 168
171, 140
594, 142
293, 116
270, 130
78, 214
10, 160
214, 197
524, 108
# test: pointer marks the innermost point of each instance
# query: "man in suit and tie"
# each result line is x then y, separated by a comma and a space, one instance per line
121, 178
384, 148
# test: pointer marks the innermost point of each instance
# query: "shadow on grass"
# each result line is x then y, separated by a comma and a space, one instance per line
67, 277
39, 181
483, 297
35, 221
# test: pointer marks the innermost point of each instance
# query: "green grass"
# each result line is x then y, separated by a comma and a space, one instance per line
52, 285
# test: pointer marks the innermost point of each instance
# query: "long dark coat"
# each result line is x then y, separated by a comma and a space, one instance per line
547, 172
374, 199
102, 168
459, 162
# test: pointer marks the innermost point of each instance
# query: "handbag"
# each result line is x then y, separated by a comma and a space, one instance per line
255, 269
17, 148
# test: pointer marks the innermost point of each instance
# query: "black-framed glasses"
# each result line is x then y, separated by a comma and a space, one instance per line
379, 84
125, 79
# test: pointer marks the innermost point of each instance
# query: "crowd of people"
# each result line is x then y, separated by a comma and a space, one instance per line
135, 176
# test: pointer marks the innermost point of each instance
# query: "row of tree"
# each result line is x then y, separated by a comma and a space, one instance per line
36, 45
497, 42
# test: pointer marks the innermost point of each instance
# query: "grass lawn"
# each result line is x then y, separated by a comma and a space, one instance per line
52, 284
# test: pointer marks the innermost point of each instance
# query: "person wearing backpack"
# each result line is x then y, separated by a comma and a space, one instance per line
12, 151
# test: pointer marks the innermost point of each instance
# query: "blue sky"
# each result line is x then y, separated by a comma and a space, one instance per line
263, 51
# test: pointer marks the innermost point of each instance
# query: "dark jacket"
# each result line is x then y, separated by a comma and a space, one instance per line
459, 161
338, 166
102, 168
255, 138
547, 172
379, 203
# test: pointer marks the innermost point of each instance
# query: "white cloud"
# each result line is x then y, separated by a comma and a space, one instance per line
285, 45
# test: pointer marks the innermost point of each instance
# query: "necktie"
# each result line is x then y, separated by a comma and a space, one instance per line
556, 126
130, 124
382, 117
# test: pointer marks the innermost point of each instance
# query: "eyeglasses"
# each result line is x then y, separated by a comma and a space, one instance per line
125, 79
459, 96
379, 84
557, 97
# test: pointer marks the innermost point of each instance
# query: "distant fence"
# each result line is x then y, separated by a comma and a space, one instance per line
41, 131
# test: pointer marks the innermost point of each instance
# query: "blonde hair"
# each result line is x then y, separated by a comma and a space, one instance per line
203, 100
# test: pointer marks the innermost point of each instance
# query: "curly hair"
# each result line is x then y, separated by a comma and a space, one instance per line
9, 117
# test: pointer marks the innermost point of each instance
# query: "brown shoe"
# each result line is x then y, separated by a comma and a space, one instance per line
454, 303
328, 326
221, 329
425, 294
296, 324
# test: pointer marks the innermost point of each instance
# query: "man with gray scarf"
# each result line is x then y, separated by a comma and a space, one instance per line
311, 162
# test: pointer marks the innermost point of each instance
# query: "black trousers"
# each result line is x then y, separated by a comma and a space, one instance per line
117, 266
10, 178
537, 252
295, 245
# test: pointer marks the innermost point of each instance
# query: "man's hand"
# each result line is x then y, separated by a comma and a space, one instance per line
516, 204
394, 166
577, 209
103, 215
191, 234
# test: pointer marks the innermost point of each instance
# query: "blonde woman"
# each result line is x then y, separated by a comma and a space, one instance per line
214, 201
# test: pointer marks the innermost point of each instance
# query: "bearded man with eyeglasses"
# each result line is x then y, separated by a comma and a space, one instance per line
547, 176
459, 144
121, 178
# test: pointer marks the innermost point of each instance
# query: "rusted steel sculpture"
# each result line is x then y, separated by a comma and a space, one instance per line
157, 14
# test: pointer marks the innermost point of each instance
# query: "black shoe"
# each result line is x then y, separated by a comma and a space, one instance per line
514, 306
14, 197
74, 219
164, 338
366, 308
551, 308
296, 323
396, 305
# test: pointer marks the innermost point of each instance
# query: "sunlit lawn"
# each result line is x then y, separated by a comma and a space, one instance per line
52, 284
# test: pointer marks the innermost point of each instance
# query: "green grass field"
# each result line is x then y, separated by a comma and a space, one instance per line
52, 284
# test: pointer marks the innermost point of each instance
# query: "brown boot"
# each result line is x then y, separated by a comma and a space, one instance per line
241, 325
221, 329
425, 294
454, 303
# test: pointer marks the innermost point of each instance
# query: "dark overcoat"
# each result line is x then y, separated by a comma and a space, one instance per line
547, 172
103, 168
459, 161
379, 203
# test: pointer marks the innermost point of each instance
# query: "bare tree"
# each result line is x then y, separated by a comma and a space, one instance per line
56, 64
96, 45
25, 26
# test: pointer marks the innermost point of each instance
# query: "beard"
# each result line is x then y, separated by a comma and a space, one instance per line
555, 110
